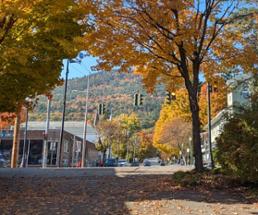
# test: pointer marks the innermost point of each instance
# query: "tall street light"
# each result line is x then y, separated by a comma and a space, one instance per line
23, 162
84, 143
45, 146
28, 102
209, 90
60, 145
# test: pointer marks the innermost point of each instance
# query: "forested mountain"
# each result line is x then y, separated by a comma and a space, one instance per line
114, 89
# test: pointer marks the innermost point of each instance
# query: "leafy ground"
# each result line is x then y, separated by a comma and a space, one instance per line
124, 194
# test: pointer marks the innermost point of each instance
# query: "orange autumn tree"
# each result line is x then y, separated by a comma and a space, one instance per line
174, 135
218, 100
178, 112
6, 120
171, 40
146, 148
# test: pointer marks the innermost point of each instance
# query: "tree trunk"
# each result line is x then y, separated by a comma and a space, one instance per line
16, 140
192, 89
104, 157
196, 134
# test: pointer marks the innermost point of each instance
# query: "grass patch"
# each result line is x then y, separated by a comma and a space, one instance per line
211, 179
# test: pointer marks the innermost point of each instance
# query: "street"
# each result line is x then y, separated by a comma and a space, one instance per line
94, 171
125, 190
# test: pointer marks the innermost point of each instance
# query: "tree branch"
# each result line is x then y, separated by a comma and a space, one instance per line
7, 26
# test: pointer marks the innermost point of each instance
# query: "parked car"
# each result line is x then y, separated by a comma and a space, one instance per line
122, 162
146, 163
135, 163
3, 162
162, 163
111, 162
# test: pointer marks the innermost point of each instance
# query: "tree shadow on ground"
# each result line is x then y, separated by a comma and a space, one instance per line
107, 194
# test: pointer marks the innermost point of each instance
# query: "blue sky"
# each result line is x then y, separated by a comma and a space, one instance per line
79, 70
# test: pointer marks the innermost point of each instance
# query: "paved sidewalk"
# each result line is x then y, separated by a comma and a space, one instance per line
114, 191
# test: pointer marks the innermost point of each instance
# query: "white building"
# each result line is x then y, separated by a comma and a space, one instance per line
238, 97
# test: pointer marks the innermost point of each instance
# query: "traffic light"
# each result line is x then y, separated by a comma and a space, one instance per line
136, 99
213, 88
173, 96
168, 98
103, 108
100, 109
140, 99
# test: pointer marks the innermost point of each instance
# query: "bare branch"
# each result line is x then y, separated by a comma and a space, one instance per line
7, 27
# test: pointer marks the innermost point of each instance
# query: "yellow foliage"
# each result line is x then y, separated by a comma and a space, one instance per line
155, 37
172, 42
34, 38
167, 149
180, 109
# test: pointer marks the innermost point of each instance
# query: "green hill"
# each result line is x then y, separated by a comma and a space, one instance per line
116, 90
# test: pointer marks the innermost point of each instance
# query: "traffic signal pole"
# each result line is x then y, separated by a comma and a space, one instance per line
209, 89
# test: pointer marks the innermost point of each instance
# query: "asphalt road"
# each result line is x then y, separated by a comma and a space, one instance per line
96, 171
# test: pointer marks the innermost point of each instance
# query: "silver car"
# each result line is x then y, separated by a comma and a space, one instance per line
146, 162
122, 162
3, 162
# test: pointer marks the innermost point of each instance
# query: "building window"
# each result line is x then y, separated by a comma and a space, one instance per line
78, 146
52, 146
65, 146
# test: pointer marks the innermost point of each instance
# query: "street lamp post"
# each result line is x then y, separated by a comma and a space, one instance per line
84, 143
209, 89
45, 147
60, 145
188, 156
190, 147
28, 104
23, 162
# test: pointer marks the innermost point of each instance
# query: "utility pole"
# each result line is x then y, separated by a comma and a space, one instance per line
134, 148
23, 162
60, 145
209, 89
28, 154
110, 147
16, 139
84, 143
45, 147
59, 159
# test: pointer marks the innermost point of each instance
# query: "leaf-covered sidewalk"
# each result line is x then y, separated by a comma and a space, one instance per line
138, 194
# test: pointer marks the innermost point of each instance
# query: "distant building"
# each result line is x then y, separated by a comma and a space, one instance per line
72, 143
238, 97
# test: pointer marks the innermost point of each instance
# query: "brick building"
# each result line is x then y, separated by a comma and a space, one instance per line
72, 143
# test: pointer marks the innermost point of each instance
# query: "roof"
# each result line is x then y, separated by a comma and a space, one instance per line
239, 79
218, 118
73, 127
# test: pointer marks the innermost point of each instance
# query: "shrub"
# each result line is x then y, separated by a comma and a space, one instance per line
187, 178
238, 147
